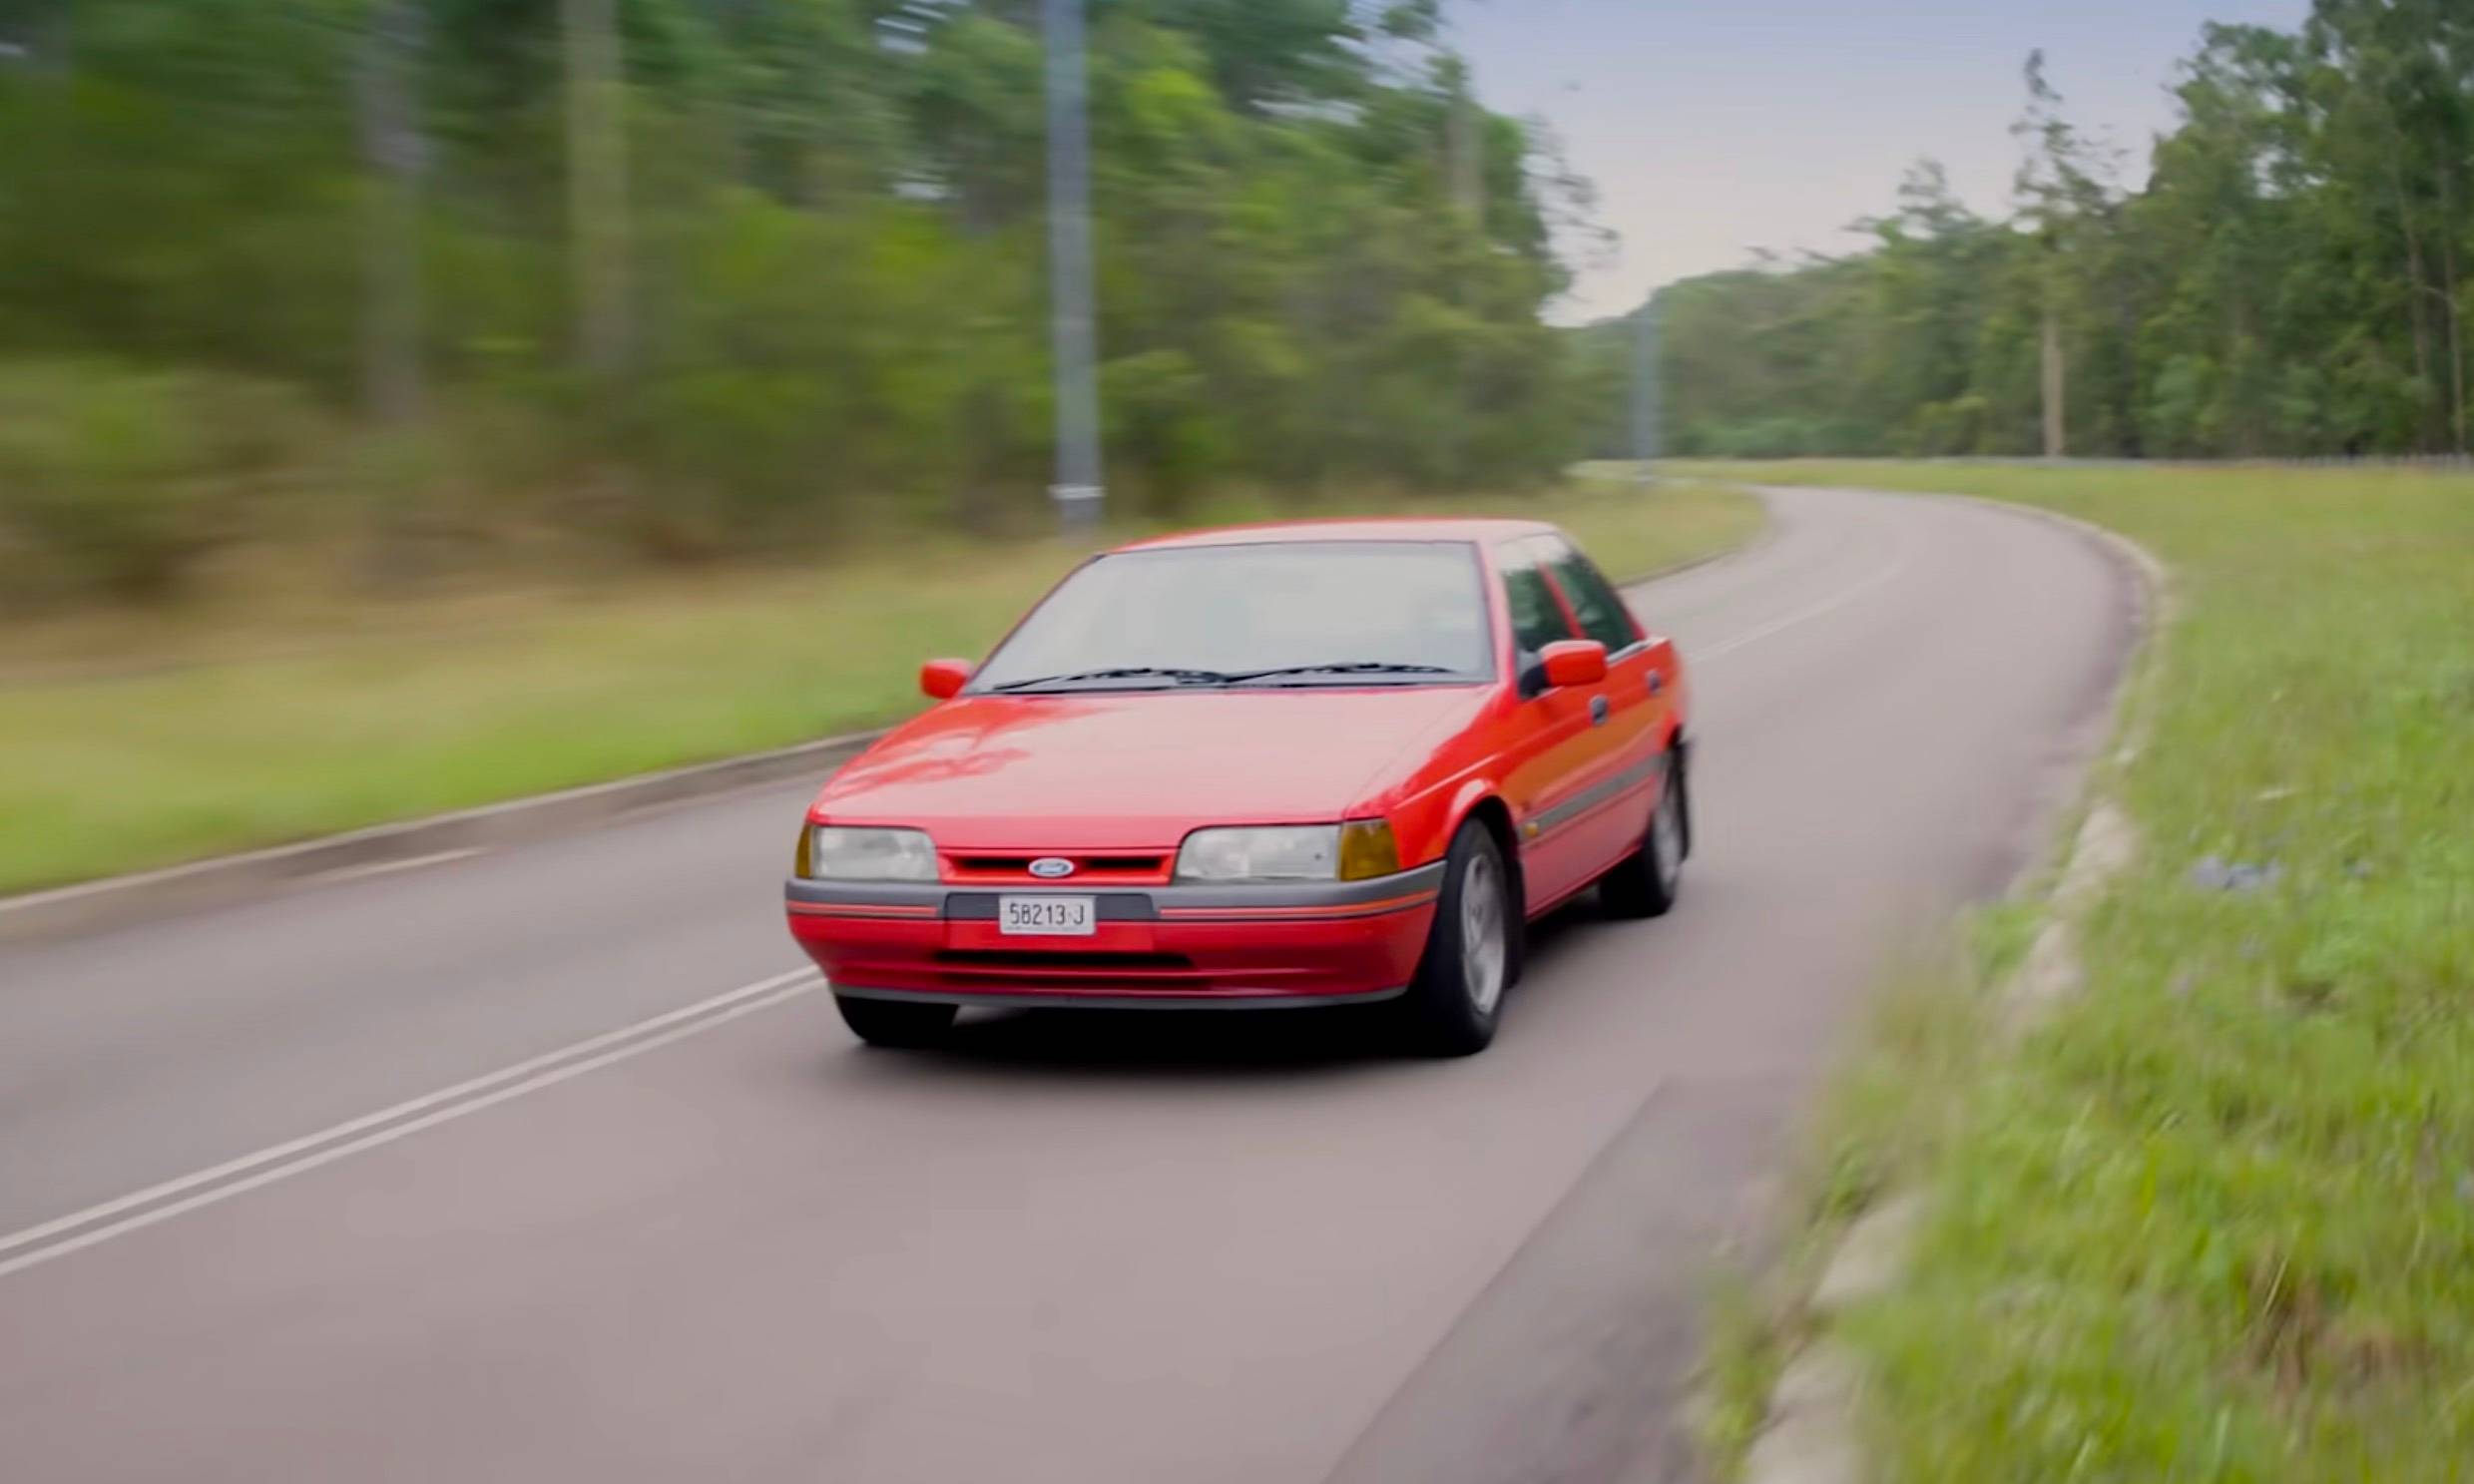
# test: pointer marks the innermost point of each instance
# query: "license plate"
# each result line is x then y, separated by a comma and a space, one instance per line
1047, 916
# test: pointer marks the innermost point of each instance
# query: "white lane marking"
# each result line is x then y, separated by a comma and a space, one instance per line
748, 996
1822, 609
390, 867
390, 1134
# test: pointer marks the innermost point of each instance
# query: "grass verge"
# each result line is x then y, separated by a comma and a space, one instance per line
2215, 1218
264, 730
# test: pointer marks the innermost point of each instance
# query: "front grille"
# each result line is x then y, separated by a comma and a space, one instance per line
1016, 867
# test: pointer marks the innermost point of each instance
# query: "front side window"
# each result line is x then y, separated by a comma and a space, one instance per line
1537, 619
1594, 600
1263, 613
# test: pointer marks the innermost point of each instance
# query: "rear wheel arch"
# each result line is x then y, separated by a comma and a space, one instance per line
1679, 744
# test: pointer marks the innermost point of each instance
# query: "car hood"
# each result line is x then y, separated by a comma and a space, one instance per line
1135, 772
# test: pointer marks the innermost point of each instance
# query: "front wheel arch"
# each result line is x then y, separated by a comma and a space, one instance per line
1491, 812
1442, 1012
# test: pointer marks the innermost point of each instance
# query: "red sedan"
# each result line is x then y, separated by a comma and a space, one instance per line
1326, 764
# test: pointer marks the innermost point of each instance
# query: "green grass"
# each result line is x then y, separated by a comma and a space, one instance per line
2215, 1221
297, 719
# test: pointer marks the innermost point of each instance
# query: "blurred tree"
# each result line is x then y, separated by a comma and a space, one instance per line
2288, 280
394, 153
717, 274
2068, 203
597, 183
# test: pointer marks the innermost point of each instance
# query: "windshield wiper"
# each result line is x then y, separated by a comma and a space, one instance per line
1343, 667
1137, 673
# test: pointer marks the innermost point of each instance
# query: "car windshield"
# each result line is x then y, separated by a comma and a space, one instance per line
1301, 613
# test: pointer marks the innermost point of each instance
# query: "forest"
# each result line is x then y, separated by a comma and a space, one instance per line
2289, 278
420, 282
426, 285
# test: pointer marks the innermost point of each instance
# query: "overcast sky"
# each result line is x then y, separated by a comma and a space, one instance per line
1711, 130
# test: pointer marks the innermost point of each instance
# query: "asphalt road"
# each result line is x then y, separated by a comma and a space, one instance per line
548, 1165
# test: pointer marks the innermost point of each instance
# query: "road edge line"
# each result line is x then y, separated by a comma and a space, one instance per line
222, 880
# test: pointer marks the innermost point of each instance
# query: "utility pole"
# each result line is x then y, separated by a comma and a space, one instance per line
2054, 379
1645, 391
1079, 488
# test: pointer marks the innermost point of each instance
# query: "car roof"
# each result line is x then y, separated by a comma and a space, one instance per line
1381, 528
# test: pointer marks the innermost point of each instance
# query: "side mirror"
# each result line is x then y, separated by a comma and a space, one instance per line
943, 680
1574, 662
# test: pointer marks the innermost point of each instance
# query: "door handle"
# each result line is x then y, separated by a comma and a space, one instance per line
1597, 710
1658, 682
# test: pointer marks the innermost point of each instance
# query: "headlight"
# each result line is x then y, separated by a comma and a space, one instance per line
1354, 852
829, 853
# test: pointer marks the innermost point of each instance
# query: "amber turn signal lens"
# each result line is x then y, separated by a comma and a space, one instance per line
1367, 851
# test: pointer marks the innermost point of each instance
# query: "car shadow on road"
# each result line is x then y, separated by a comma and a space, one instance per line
1174, 1045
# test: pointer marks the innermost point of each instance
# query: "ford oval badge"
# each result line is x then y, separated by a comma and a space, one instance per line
1050, 869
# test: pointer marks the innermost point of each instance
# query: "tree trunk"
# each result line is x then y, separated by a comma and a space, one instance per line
1464, 166
2456, 357
2246, 442
2055, 423
1468, 164
2414, 290
396, 155
2414, 285
2132, 438
2456, 341
597, 184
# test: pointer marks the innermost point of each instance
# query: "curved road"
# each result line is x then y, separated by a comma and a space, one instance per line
549, 1165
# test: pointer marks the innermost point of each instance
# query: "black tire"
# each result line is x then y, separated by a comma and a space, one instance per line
898, 1025
1449, 1008
1646, 882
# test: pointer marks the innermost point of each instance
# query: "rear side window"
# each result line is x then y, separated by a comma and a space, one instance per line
1594, 600
1537, 619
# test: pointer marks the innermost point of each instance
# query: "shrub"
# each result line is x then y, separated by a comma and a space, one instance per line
117, 481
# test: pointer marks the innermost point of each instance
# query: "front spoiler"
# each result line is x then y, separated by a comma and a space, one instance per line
1165, 1001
